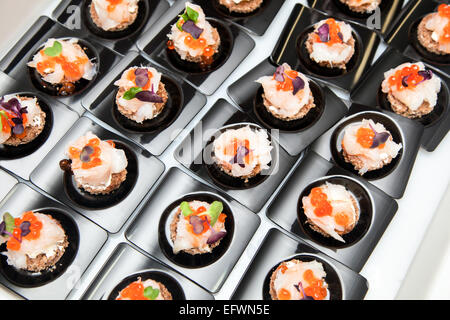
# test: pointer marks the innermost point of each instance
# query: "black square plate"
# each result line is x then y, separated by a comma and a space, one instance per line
190, 154
185, 102
276, 248
15, 61
110, 211
150, 230
330, 109
257, 21
74, 14
8, 182
236, 45
126, 261
291, 49
368, 92
403, 34
376, 211
23, 159
87, 237
392, 178
388, 12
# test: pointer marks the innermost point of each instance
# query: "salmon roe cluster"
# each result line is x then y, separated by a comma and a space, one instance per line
134, 291
112, 5
365, 136
320, 201
131, 76
408, 74
232, 149
334, 30
315, 288
14, 242
206, 224
199, 43
73, 70
94, 158
287, 84
7, 122
444, 11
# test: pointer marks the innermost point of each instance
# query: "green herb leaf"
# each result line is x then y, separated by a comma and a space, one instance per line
192, 14
179, 24
131, 93
9, 222
151, 293
186, 209
214, 211
55, 50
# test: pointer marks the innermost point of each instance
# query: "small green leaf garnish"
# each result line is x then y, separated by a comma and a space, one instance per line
55, 50
9, 222
131, 93
192, 14
151, 293
186, 209
214, 211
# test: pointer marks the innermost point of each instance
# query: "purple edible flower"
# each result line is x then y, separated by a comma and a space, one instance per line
197, 224
190, 27
2, 227
324, 32
379, 138
141, 77
297, 83
149, 96
299, 287
279, 74
25, 228
85, 155
241, 152
215, 236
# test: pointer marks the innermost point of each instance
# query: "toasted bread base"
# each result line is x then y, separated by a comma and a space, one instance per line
242, 7
173, 235
226, 167
120, 27
424, 36
159, 106
358, 163
301, 113
200, 59
402, 109
31, 132
116, 181
330, 64
360, 9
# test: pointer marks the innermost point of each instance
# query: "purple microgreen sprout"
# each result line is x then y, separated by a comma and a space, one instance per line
379, 138
324, 32
85, 155
197, 224
141, 77
426, 75
300, 289
341, 36
149, 96
215, 236
405, 81
190, 27
297, 82
279, 74
25, 228
241, 152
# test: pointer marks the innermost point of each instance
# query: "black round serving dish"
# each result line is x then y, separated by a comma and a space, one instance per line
426, 55
140, 21
224, 52
319, 70
168, 115
269, 121
345, 9
28, 279
428, 119
332, 277
199, 260
224, 11
364, 203
85, 199
57, 89
338, 134
167, 280
23, 150
227, 181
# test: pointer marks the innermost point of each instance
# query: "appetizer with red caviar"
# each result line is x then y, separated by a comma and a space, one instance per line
287, 94
241, 6
242, 153
331, 44
22, 120
434, 31
98, 167
362, 6
193, 38
368, 146
299, 280
331, 210
114, 15
142, 95
34, 241
145, 290
197, 227
411, 89
62, 63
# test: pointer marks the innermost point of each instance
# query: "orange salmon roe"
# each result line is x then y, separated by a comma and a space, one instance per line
73, 71
342, 219
94, 161
315, 288
284, 294
364, 136
411, 72
444, 11
287, 84
232, 150
334, 30
132, 77
320, 202
35, 230
170, 45
134, 291
206, 224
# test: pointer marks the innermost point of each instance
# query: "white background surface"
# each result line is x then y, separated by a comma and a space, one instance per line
387, 268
